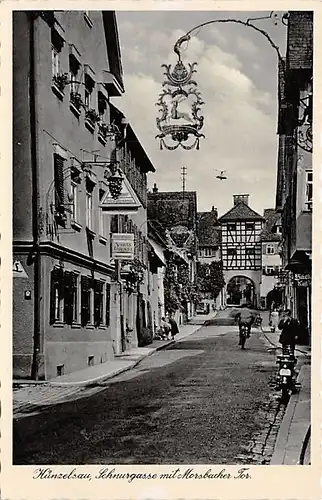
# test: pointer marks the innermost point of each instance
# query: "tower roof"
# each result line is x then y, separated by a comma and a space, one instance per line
240, 212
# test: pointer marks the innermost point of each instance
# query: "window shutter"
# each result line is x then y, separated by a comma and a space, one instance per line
69, 284
85, 300
98, 290
59, 180
108, 302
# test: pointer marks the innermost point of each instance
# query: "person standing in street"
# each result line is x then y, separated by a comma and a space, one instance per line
290, 331
174, 327
165, 327
274, 319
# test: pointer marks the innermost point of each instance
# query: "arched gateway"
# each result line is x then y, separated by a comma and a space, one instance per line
241, 291
241, 253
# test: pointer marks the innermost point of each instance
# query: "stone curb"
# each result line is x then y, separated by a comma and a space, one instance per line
280, 450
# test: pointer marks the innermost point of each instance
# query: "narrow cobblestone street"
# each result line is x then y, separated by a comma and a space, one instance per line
201, 401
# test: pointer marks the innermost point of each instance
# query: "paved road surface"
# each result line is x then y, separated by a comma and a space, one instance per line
198, 402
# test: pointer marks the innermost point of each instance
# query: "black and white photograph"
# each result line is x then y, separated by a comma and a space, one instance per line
162, 201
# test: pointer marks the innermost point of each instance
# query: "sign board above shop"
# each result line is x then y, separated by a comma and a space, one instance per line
123, 246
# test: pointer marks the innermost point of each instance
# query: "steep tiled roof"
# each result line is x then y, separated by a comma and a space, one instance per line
207, 229
241, 211
271, 218
300, 40
173, 208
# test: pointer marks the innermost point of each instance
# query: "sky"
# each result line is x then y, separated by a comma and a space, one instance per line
237, 77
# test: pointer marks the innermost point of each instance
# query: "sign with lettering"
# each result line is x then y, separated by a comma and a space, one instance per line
302, 279
18, 270
123, 246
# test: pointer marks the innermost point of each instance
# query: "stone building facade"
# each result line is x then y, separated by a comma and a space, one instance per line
67, 301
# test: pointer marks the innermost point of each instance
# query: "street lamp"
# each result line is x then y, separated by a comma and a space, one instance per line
180, 101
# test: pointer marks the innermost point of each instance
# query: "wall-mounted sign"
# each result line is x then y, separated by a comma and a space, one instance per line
123, 246
18, 270
302, 279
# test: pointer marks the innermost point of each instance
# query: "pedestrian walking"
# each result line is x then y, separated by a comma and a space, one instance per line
274, 319
165, 327
290, 331
174, 327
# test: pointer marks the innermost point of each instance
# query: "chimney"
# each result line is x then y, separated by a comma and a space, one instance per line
241, 198
215, 210
155, 188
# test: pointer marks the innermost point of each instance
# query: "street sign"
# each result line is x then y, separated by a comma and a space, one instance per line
123, 246
18, 270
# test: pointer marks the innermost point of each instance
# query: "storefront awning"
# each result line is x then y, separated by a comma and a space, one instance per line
158, 252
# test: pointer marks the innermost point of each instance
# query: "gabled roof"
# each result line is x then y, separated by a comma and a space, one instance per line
208, 231
271, 218
240, 212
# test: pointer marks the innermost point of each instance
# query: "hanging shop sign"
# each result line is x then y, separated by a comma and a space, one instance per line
123, 246
18, 271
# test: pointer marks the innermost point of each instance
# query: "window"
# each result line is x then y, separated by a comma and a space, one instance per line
64, 297
102, 217
250, 226
309, 190
270, 249
102, 105
74, 198
108, 304
85, 300
89, 204
59, 194
98, 303
208, 252
250, 251
56, 295
231, 227
89, 86
55, 63
270, 270
74, 66
57, 43
231, 251
87, 18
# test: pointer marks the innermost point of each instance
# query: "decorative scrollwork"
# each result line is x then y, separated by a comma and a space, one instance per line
180, 104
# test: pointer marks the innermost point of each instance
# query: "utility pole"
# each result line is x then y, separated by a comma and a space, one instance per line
183, 178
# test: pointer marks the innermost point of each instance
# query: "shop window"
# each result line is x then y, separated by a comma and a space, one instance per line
98, 303
85, 300
309, 190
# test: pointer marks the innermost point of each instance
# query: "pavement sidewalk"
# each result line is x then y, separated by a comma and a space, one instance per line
292, 446
28, 394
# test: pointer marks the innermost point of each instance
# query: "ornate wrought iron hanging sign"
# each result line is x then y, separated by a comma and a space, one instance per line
305, 134
180, 104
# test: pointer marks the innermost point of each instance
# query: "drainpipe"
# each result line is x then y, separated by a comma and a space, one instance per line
35, 200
